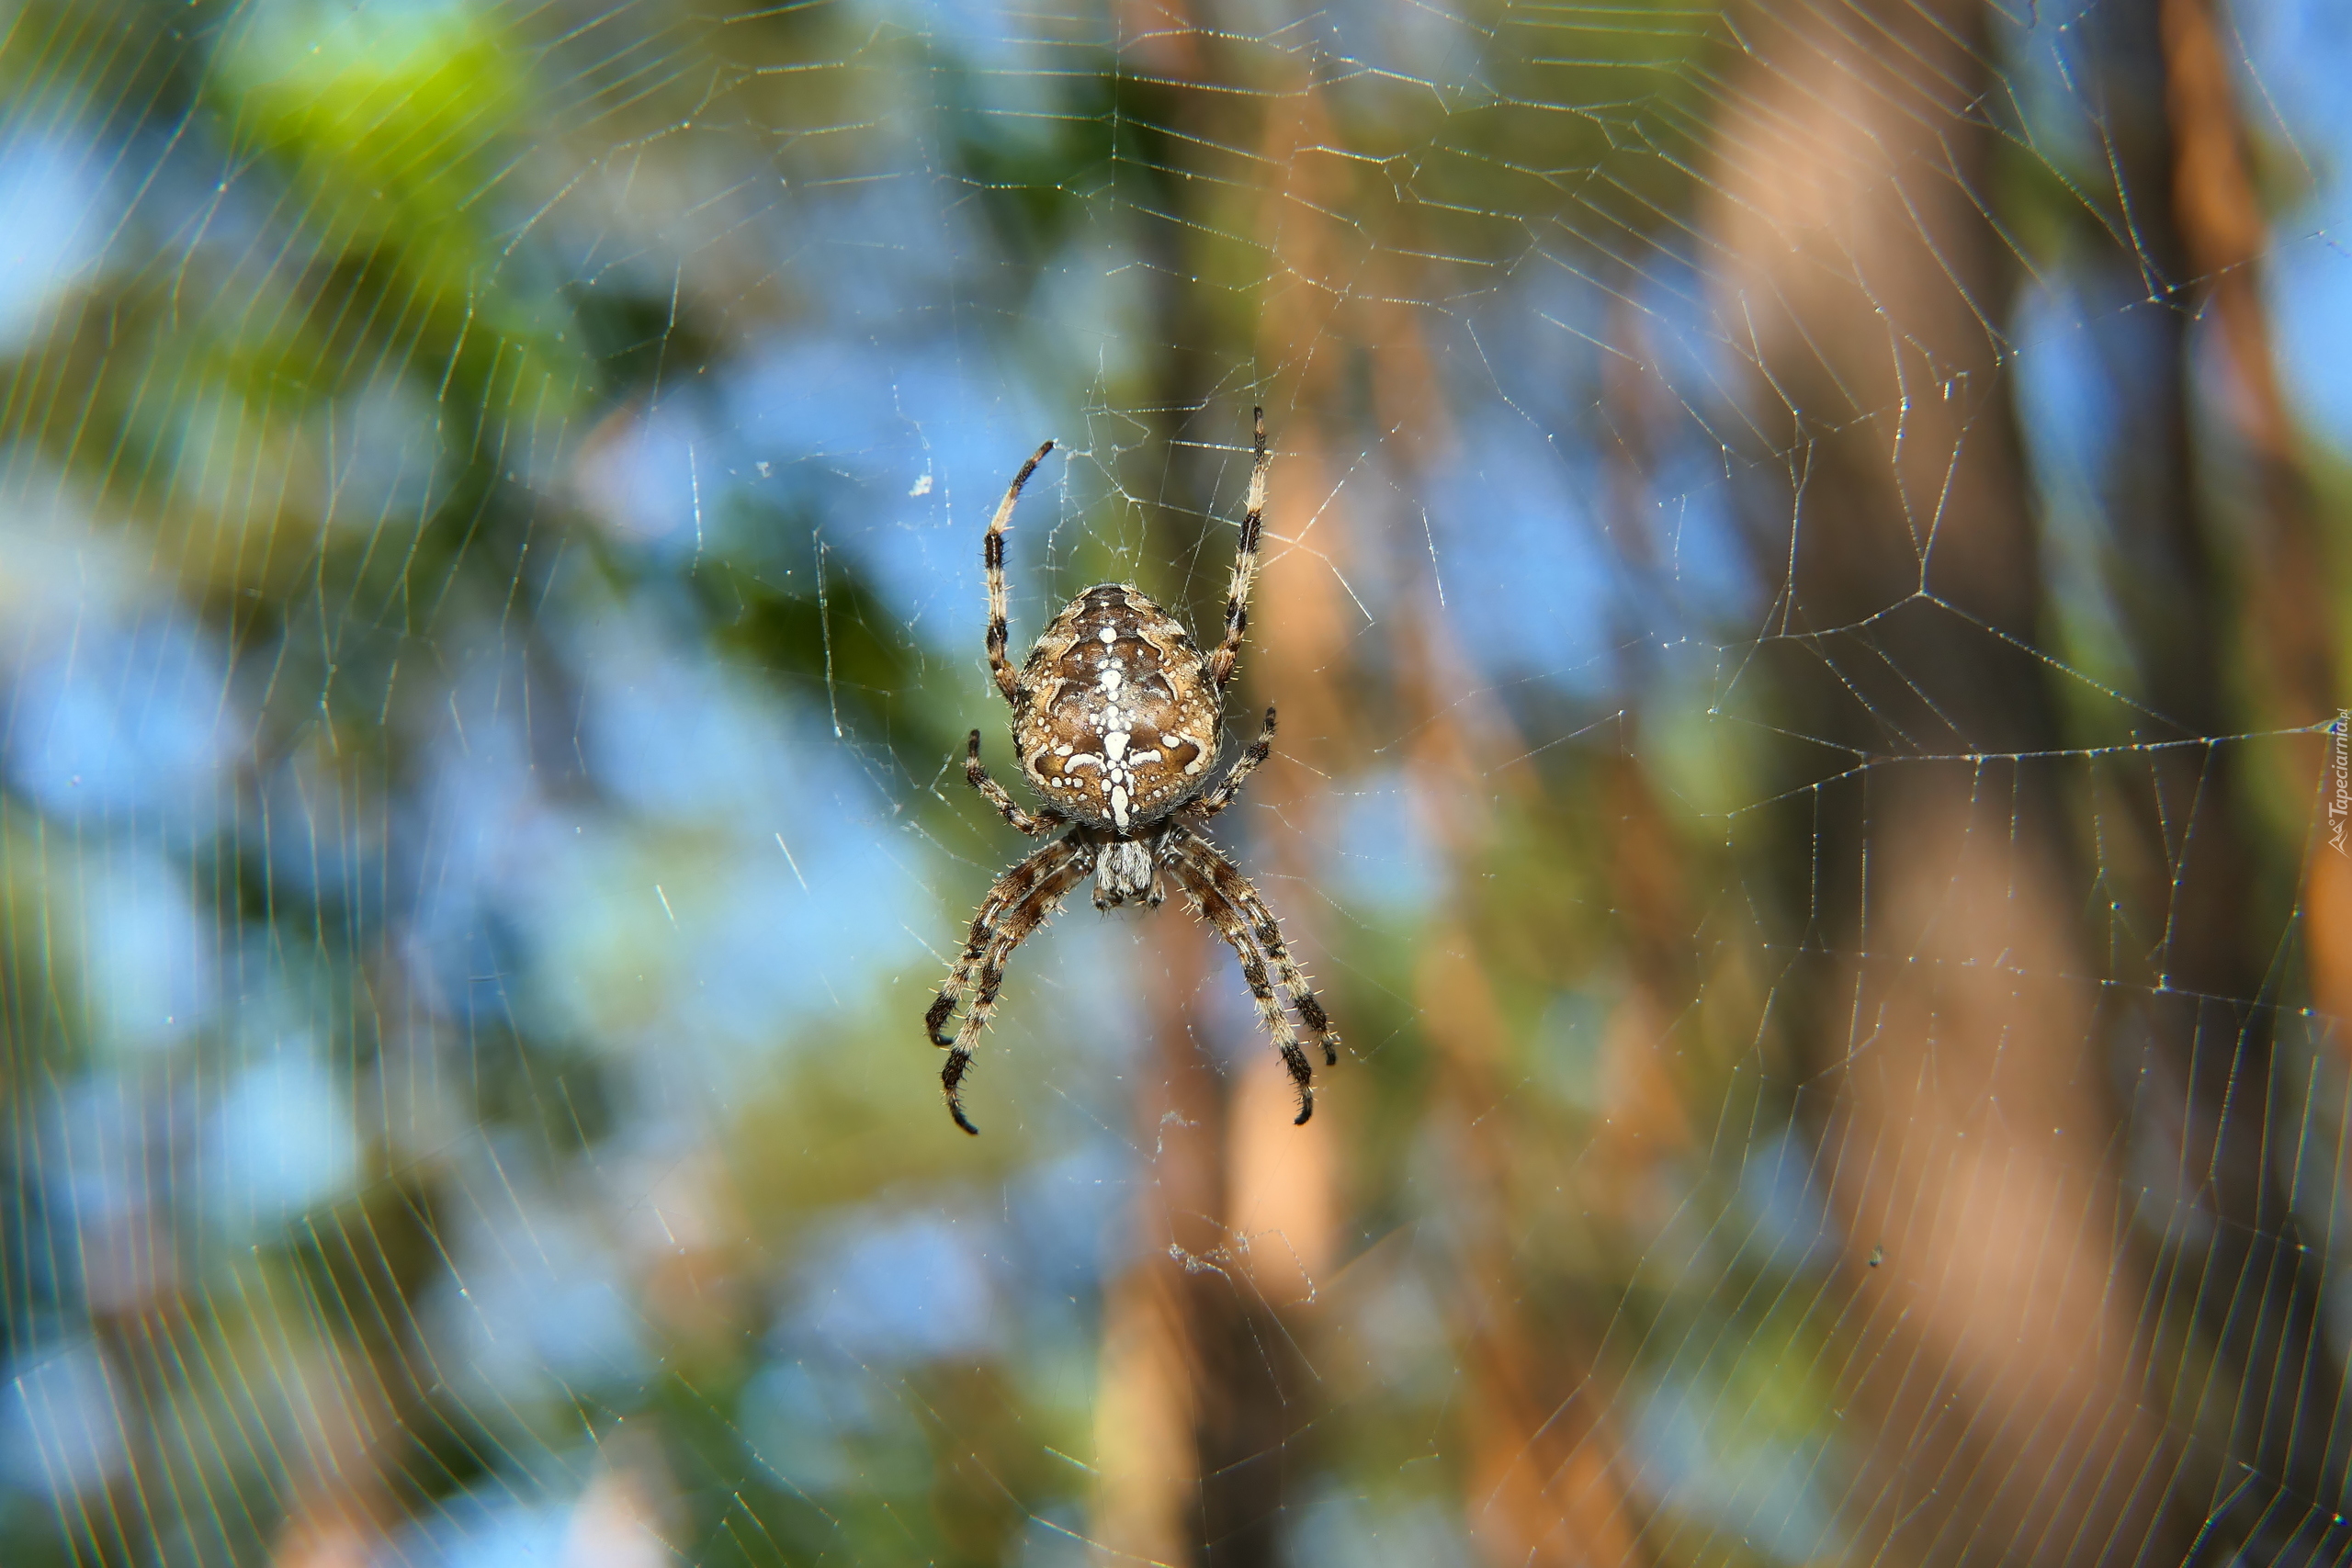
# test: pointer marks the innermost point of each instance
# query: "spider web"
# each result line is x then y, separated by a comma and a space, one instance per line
1802, 588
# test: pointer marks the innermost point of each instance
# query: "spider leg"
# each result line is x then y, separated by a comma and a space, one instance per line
1213, 907
1003, 895
1245, 568
1219, 795
1036, 825
1245, 896
993, 556
1032, 911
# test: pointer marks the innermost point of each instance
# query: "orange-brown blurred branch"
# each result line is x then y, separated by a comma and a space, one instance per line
2222, 231
1547, 1476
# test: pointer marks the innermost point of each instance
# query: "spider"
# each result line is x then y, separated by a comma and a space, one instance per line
1117, 719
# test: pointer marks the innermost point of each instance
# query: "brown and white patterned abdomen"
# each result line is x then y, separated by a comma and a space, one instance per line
1120, 727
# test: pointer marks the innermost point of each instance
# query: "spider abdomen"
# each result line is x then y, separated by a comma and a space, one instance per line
1120, 726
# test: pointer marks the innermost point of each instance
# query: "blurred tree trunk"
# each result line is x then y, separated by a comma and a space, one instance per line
1146, 1468
1997, 1356
1544, 1472
1205, 1384
1205, 1390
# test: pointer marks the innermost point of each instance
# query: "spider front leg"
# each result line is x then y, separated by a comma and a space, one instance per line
1204, 861
1036, 825
1220, 794
1006, 893
1229, 923
1022, 899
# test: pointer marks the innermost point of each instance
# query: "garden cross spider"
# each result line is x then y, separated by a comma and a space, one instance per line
1117, 718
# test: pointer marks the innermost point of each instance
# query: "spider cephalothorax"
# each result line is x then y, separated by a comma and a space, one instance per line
1117, 717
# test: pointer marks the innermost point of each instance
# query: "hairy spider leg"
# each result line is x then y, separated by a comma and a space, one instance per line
1006, 892
1245, 567
1036, 824
1008, 680
1199, 854
1212, 906
1220, 794
1025, 917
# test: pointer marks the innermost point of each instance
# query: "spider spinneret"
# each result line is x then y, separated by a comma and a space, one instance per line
1117, 718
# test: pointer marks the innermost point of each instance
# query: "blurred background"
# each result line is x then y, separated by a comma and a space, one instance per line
1807, 585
